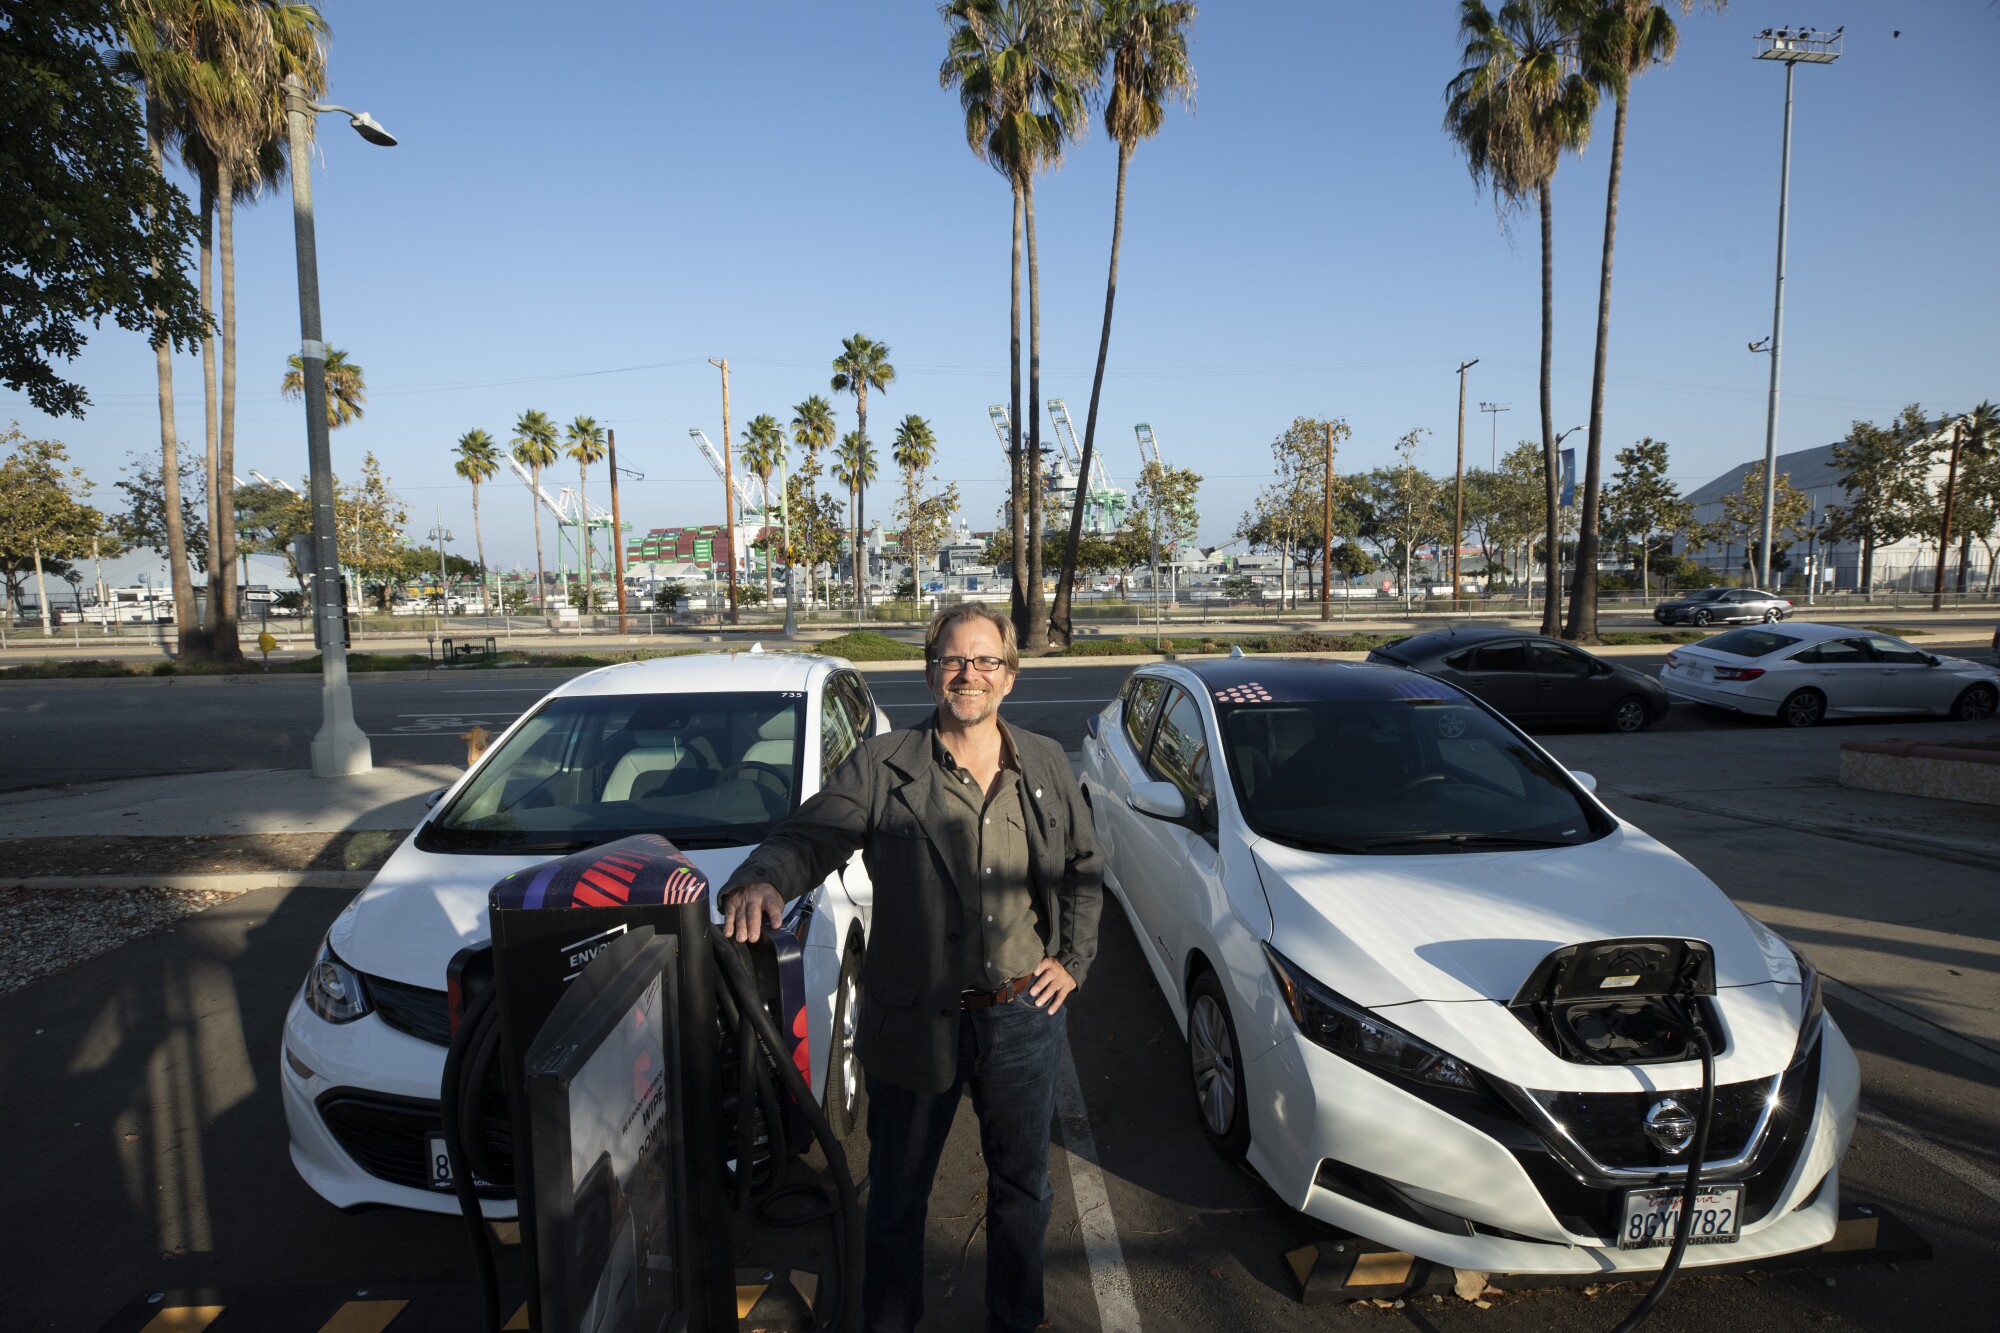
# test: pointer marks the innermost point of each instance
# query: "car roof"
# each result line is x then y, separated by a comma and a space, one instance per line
705, 673
1439, 640
1246, 680
1805, 631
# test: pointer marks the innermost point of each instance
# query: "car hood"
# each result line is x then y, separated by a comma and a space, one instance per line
423, 907
1389, 930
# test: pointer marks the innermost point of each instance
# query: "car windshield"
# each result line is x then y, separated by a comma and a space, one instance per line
698, 769
1707, 595
1750, 642
1398, 776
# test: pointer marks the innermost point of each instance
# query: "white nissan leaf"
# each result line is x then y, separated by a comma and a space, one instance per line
1437, 995
709, 751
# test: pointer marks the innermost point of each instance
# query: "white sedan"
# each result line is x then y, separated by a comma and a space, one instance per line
1798, 673
708, 751
1353, 884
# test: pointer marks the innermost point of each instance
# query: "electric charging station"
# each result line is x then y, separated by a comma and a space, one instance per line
621, 1063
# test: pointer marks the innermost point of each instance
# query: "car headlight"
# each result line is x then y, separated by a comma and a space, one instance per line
1348, 1030
333, 989
1812, 999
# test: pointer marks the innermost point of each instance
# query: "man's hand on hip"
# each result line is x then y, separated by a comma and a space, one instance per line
748, 909
1053, 983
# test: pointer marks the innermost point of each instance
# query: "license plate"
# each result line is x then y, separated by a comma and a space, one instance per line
1653, 1216
437, 1164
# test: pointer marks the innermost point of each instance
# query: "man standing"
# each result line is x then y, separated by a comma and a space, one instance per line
987, 890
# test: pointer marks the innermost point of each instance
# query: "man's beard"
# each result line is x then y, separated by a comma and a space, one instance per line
970, 708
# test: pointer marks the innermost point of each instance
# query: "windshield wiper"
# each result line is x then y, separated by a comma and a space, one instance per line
1306, 842
1462, 840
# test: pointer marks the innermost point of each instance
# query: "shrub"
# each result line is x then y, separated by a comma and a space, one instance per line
866, 645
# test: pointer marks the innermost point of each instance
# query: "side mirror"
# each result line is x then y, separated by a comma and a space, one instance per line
1935, 660
430, 801
1091, 724
1587, 781
1161, 800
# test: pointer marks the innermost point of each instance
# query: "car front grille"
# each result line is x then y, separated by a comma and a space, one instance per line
386, 1137
1611, 1126
417, 1010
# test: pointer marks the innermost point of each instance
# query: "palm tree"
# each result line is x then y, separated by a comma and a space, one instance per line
916, 446
763, 450
1144, 45
477, 459
863, 364
1515, 107
534, 446
1021, 68
586, 445
854, 468
346, 387
1618, 40
812, 430
1973, 435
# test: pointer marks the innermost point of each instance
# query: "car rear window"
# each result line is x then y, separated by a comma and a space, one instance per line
1750, 642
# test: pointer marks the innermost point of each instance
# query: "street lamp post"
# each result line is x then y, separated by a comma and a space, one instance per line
1494, 410
1793, 46
1557, 564
785, 506
339, 748
1458, 523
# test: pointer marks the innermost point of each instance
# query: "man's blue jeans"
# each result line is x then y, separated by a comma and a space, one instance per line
1008, 1056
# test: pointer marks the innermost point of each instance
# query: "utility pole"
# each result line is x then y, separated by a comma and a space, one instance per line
1326, 532
1950, 497
1458, 527
1494, 410
617, 534
728, 489
1790, 45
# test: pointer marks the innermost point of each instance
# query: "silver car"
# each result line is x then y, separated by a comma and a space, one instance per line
1723, 606
1799, 673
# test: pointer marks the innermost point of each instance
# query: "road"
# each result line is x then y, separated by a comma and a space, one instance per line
142, 1115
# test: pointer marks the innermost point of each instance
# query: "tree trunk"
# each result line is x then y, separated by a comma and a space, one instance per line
770, 599
535, 508
225, 645
1964, 559
1583, 598
1551, 611
860, 503
1061, 624
204, 257
1038, 625
1017, 522
583, 520
178, 574
42, 591
479, 545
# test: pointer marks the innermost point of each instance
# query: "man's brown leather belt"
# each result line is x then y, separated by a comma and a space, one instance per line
986, 999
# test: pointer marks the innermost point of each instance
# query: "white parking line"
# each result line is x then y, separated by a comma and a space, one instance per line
1110, 1280
1942, 1158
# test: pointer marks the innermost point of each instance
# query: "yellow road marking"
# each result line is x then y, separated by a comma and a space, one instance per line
363, 1316
182, 1319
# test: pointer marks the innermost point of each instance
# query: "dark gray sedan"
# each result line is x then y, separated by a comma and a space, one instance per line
1723, 606
1530, 678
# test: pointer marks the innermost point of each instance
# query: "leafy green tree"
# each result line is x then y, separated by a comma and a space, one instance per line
1142, 46
1643, 506
1742, 521
925, 520
1022, 69
144, 521
477, 460
762, 452
1290, 513
863, 364
89, 227
43, 517
369, 517
586, 445
1519, 103
534, 448
1402, 507
813, 430
268, 519
346, 387
1886, 490
668, 595
1970, 438
854, 468
1164, 513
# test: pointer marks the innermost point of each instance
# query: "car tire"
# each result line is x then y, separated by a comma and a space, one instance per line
1629, 714
1802, 708
1699, 618
1771, 615
846, 1093
1975, 704
1215, 1057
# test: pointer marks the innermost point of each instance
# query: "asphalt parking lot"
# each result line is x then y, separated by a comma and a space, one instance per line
145, 1153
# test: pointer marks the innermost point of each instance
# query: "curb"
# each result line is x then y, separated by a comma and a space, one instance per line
1967, 855
354, 880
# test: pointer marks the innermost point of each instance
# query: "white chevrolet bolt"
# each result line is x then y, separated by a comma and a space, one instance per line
1414, 959
708, 751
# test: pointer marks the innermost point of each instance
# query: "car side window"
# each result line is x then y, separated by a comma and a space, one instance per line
1839, 650
1501, 657
1460, 660
1180, 753
859, 703
836, 730
1891, 650
1551, 659
1140, 707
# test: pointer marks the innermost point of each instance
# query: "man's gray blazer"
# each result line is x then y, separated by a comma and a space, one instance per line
885, 800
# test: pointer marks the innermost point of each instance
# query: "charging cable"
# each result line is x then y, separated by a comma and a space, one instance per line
1697, 1155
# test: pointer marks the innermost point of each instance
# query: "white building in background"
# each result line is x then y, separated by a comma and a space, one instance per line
1901, 566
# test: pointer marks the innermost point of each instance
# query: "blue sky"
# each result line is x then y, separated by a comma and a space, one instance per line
586, 189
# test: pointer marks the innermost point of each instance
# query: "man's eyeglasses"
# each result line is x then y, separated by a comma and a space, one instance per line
985, 666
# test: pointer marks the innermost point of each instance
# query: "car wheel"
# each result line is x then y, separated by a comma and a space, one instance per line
1975, 705
845, 1091
1699, 618
1214, 1054
1770, 615
1802, 708
1630, 714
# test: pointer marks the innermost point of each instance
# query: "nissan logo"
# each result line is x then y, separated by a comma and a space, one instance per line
1670, 1126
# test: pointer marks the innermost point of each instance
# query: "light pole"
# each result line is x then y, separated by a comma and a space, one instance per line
728, 487
440, 536
339, 748
1458, 527
1793, 46
1494, 410
785, 506
1557, 564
